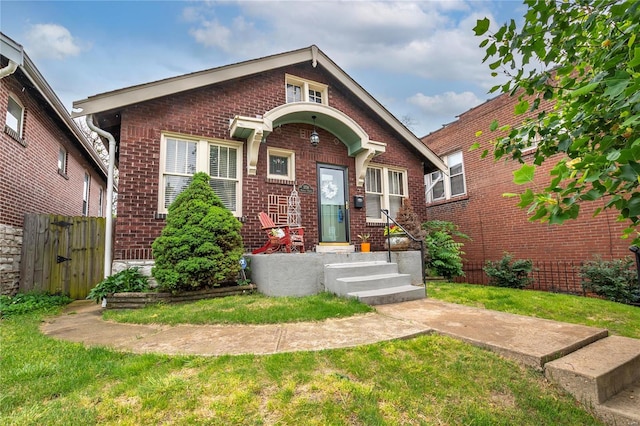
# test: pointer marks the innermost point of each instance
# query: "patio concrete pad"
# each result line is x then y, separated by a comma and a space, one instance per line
532, 341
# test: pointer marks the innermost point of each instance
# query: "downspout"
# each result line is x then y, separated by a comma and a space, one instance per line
108, 243
8, 70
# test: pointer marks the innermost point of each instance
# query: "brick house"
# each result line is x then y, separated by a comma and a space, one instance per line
471, 197
46, 163
248, 125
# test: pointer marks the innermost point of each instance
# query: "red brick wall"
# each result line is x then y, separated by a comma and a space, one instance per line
29, 179
494, 222
206, 112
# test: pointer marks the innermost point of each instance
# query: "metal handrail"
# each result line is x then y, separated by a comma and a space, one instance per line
421, 241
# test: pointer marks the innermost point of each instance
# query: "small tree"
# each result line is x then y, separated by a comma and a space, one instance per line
201, 245
445, 253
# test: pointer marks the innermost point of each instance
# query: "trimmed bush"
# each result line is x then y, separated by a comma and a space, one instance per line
201, 245
508, 272
444, 253
615, 280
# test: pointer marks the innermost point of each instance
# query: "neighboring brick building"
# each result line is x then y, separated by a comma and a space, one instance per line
248, 126
46, 164
472, 198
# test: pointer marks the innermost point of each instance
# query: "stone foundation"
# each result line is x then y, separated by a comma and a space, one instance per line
10, 253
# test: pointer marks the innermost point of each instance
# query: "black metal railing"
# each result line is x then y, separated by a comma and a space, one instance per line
421, 241
553, 276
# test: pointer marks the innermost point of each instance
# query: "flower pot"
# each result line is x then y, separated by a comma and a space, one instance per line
365, 247
397, 242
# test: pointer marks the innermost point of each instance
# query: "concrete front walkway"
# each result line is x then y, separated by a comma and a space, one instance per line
529, 340
602, 372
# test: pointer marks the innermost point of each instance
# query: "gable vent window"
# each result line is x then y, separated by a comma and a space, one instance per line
301, 90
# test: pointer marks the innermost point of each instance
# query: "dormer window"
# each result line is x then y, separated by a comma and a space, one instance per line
301, 90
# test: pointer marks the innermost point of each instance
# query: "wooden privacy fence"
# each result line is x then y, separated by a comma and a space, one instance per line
62, 254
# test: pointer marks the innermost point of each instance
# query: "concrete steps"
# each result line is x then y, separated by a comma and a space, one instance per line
604, 375
374, 283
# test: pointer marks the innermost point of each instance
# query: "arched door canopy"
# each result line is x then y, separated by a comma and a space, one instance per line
343, 127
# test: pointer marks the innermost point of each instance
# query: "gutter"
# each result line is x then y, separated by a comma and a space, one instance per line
8, 70
108, 243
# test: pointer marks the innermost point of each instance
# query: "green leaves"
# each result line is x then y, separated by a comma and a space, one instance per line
482, 26
524, 175
593, 80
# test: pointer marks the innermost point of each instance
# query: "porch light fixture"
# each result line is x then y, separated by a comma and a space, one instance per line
315, 138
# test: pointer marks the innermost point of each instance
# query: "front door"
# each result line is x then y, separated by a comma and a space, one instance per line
333, 211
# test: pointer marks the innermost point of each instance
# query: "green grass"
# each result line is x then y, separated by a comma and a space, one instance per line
619, 319
429, 380
244, 309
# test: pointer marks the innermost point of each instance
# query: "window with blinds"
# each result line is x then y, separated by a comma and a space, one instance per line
385, 188
182, 157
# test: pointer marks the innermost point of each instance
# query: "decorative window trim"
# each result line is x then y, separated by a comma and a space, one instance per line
291, 166
386, 189
202, 165
432, 179
306, 86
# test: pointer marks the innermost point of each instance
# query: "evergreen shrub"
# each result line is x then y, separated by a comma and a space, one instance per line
200, 246
509, 272
615, 280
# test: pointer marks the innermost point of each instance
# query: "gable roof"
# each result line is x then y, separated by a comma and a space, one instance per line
127, 96
15, 53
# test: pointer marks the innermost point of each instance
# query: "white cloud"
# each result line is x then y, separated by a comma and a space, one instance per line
445, 104
51, 41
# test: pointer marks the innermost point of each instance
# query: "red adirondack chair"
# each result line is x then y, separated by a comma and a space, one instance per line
280, 237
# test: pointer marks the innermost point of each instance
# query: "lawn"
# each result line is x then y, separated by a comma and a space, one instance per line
427, 380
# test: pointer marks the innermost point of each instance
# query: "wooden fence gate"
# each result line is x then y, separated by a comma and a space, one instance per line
62, 254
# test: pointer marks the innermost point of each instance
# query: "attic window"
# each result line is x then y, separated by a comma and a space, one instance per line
301, 90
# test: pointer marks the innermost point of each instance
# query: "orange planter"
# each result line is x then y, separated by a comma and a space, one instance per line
365, 247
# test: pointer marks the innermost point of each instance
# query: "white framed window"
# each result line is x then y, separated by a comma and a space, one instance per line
301, 90
182, 156
442, 187
385, 188
281, 164
85, 194
62, 161
15, 117
100, 201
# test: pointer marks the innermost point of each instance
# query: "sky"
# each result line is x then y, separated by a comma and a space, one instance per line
420, 59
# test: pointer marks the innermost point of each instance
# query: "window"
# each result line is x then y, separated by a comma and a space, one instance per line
85, 195
281, 164
15, 117
442, 187
301, 90
100, 201
62, 161
183, 156
385, 188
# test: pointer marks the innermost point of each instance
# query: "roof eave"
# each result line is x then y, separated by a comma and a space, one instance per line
38, 81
